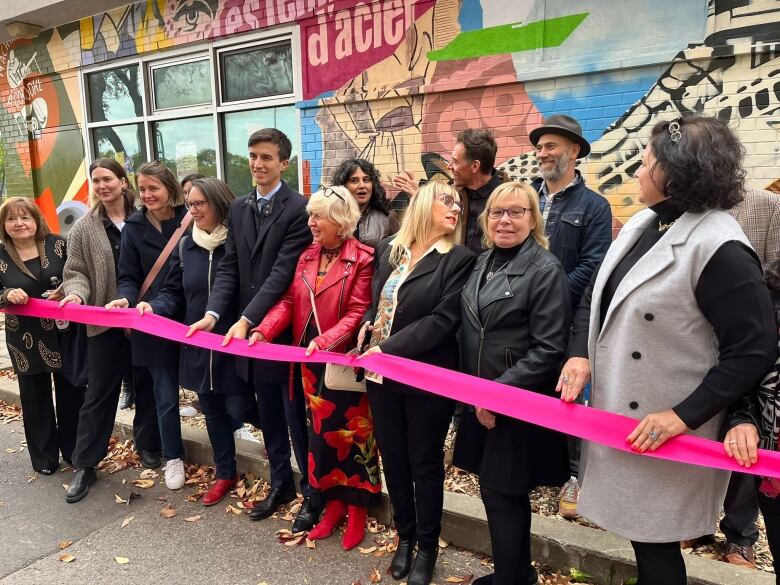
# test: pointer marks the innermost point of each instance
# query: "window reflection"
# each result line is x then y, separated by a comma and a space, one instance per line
187, 146
182, 84
115, 94
258, 72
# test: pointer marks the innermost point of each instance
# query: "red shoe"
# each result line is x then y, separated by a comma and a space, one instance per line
335, 510
356, 527
218, 491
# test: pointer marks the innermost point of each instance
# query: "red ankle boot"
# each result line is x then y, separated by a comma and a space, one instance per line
335, 510
218, 491
356, 527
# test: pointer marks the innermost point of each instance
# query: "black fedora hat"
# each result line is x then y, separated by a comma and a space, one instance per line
562, 125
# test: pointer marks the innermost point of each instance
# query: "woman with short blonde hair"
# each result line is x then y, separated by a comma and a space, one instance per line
505, 191
336, 205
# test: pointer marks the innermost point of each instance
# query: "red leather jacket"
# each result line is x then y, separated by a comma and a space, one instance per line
342, 299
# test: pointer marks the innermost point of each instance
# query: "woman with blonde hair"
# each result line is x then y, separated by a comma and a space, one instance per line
325, 303
515, 311
31, 263
415, 313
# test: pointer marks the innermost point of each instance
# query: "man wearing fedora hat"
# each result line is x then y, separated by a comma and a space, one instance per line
578, 222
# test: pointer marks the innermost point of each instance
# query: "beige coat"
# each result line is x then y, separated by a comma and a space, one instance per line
653, 350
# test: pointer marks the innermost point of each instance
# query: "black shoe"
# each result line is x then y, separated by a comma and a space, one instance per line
46, 470
422, 567
79, 486
533, 577
402, 561
484, 580
126, 397
307, 517
150, 459
277, 498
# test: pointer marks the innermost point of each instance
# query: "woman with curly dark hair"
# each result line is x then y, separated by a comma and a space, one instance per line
364, 182
676, 326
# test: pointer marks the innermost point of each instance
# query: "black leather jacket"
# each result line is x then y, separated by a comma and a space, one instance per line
515, 327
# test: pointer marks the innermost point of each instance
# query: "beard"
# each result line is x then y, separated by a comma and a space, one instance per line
560, 166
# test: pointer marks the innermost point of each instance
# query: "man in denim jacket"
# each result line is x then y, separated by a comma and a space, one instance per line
578, 221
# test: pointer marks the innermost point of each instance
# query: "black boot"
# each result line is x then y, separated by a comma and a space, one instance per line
423, 567
307, 516
79, 486
402, 561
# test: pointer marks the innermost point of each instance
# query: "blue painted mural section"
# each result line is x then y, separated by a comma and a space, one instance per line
596, 104
470, 16
311, 143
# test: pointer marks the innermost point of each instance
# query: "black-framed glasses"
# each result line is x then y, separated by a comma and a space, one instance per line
197, 204
328, 191
512, 212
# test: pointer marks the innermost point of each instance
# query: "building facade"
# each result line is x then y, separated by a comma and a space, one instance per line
187, 81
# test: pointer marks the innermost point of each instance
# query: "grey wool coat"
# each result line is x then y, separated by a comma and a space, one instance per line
640, 365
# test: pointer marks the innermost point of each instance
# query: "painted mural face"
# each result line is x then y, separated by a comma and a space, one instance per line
266, 166
191, 17
506, 232
361, 187
153, 194
20, 225
106, 186
556, 156
462, 169
202, 213
651, 178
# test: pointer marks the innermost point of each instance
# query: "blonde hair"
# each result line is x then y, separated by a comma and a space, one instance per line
27, 205
417, 225
337, 205
515, 188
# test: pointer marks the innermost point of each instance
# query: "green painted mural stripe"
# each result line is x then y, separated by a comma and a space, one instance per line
509, 38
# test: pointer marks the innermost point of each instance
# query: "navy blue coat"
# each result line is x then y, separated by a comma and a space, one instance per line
141, 246
259, 267
186, 289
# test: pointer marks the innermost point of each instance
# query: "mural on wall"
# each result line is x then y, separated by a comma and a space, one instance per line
395, 80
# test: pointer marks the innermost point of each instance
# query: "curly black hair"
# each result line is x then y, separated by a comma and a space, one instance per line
703, 167
348, 167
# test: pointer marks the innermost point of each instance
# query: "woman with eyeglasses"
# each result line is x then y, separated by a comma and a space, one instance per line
515, 311
334, 273
418, 276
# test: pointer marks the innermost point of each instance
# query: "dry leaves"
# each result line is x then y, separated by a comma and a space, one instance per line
149, 474
121, 455
119, 499
67, 558
233, 510
143, 483
9, 413
193, 518
65, 544
127, 521
375, 576
465, 579
168, 512
122, 560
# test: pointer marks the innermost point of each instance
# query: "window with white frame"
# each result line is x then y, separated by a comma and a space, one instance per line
195, 110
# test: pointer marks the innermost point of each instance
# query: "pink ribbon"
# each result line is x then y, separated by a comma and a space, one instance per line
588, 423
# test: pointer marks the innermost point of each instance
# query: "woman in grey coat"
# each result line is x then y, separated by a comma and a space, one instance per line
675, 327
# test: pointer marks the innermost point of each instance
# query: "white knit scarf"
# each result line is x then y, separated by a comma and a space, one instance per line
210, 241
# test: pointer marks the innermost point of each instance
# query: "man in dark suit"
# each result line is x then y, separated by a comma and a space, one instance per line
267, 231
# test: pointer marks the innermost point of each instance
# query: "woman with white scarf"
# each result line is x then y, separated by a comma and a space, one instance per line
226, 400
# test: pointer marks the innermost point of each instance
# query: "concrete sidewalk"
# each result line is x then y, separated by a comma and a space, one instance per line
554, 542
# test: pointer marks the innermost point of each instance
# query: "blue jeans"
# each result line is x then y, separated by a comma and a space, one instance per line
166, 395
223, 412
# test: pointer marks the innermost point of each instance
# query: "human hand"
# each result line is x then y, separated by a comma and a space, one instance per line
239, 329
574, 377
370, 351
312, 348
118, 304
17, 296
486, 418
741, 443
144, 307
206, 324
655, 429
54, 294
71, 298
365, 329
257, 337
407, 183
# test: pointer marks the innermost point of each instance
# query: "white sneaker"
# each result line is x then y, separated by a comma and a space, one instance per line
187, 411
174, 474
245, 434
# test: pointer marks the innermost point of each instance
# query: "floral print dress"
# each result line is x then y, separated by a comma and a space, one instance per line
343, 461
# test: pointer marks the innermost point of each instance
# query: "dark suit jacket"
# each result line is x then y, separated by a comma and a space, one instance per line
258, 267
427, 314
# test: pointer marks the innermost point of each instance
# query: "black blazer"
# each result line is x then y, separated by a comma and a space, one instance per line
427, 314
258, 266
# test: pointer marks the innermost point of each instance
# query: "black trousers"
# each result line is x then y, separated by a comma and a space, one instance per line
49, 432
108, 356
222, 412
741, 510
146, 428
509, 522
659, 563
770, 508
410, 430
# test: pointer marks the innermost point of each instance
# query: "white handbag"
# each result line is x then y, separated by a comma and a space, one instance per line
337, 377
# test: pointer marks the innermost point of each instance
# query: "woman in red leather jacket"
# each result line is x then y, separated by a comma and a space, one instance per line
336, 270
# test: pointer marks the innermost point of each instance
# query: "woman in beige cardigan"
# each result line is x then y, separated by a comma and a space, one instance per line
90, 278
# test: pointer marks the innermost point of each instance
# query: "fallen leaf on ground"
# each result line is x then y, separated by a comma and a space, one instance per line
65, 544
193, 518
149, 474
168, 512
375, 577
294, 541
442, 543
67, 558
143, 483
311, 543
127, 521
366, 551
119, 499
463, 580
10, 450
579, 576
122, 560
230, 509
65, 486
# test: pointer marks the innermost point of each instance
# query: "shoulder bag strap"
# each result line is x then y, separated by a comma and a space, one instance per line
163, 257
314, 310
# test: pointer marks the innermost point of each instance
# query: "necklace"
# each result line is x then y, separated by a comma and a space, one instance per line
662, 227
330, 254
491, 273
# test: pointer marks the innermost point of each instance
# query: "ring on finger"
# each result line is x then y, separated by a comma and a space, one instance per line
653, 435
732, 442
565, 379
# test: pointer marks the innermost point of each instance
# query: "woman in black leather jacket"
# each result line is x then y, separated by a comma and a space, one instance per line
515, 313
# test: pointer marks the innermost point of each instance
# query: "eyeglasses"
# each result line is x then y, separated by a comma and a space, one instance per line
328, 191
197, 204
512, 212
448, 200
